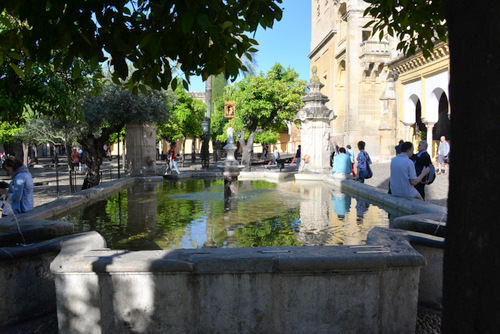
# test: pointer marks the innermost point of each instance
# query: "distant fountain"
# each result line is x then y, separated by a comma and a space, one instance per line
231, 169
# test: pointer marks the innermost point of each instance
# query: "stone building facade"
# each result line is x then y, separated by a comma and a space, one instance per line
371, 87
422, 96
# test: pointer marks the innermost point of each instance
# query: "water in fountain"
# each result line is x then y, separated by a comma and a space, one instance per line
7, 210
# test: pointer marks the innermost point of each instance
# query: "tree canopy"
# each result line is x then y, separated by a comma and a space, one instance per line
204, 36
108, 113
263, 103
416, 23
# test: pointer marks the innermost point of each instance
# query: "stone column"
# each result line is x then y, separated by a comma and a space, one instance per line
430, 126
407, 130
315, 129
141, 149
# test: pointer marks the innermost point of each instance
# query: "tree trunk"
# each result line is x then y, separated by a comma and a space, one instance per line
193, 150
35, 152
216, 147
70, 166
93, 155
183, 149
25, 154
246, 149
471, 295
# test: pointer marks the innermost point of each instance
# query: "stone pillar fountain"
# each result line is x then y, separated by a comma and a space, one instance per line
231, 169
315, 129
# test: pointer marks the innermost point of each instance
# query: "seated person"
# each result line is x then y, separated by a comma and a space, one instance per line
342, 163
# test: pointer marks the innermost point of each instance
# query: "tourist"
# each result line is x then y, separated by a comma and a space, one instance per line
403, 175
265, 150
173, 160
20, 192
341, 164
335, 151
297, 157
75, 159
276, 156
443, 155
81, 165
398, 147
363, 162
421, 159
350, 152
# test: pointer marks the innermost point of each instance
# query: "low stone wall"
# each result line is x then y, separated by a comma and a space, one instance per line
426, 236
26, 283
340, 289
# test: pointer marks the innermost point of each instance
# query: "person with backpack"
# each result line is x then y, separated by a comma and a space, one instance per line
363, 170
422, 159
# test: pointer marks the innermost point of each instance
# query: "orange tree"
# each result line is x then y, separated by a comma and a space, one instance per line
263, 104
202, 37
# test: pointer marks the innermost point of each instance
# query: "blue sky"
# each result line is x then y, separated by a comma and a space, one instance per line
288, 43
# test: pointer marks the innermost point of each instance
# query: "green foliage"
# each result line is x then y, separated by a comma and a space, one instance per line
116, 107
218, 86
49, 130
263, 103
41, 90
9, 132
186, 115
417, 23
278, 231
205, 36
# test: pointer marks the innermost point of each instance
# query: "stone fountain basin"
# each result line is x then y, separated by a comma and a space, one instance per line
26, 283
32, 291
339, 289
32, 231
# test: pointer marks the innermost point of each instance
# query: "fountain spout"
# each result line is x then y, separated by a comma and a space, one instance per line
231, 169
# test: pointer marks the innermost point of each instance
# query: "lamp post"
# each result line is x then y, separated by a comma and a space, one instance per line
205, 126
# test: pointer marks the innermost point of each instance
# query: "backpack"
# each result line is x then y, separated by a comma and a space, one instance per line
432, 174
368, 169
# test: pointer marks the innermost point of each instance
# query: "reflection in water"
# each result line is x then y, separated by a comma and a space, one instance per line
192, 214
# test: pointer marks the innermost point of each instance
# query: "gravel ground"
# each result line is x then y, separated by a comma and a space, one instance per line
51, 184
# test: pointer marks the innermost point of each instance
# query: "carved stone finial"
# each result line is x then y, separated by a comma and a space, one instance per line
314, 77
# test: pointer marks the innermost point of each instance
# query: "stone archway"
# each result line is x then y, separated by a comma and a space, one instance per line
418, 126
442, 127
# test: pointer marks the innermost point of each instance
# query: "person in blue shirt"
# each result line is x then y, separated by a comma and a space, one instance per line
363, 161
342, 163
20, 192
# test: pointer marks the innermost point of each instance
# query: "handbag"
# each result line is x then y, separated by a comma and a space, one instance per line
368, 169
